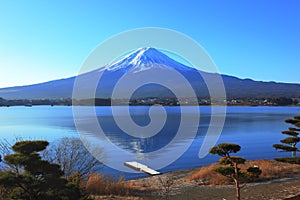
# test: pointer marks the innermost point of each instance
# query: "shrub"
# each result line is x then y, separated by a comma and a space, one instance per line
99, 184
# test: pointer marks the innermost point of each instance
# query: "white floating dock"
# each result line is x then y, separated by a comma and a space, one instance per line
142, 168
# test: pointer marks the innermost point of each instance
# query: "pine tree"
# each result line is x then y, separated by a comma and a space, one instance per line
36, 179
289, 144
230, 165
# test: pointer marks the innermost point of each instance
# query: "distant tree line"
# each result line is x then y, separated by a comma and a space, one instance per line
34, 102
148, 101
281, 101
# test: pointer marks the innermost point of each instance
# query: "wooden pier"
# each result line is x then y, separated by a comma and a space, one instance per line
142, 168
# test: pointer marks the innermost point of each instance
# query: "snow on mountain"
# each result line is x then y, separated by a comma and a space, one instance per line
144, 59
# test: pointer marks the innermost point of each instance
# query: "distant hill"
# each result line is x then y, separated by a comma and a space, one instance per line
242, 88
152, 61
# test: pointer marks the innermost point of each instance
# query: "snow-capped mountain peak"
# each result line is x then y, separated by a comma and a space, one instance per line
143, 59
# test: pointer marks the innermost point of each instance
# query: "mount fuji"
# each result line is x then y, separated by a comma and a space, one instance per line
151, 60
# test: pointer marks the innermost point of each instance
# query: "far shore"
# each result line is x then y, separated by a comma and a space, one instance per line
230, 105
152, 101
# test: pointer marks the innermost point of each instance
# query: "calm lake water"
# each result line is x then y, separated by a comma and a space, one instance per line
256, 129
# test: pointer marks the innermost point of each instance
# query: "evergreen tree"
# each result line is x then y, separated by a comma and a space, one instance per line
230, 165
289, 144
36, 179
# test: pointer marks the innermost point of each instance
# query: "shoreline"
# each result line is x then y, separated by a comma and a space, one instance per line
273, 188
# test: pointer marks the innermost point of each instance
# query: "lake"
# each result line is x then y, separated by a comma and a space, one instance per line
256, 129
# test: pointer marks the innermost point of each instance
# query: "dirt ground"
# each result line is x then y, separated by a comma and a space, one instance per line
283, 189
183, 189
280, 189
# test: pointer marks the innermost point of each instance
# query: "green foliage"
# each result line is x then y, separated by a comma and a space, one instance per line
37, 178
28, 147
289, 144
291, 132
224, 149
284, 147
225, 170
232, 160
291, 140
254, 172
293, 121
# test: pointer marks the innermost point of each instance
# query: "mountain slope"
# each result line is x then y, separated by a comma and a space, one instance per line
152, 61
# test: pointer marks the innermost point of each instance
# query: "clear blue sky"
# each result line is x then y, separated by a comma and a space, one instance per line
46, 40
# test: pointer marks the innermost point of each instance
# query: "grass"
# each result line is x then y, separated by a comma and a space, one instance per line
207, 176
270, 170
99, 184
